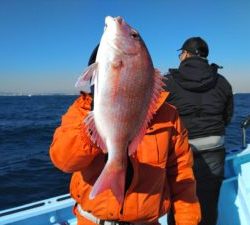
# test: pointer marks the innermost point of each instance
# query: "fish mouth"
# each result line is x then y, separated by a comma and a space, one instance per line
110, 19
114, 43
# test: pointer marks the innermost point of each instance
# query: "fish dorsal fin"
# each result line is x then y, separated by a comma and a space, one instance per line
87, 79
93, 133
157, 89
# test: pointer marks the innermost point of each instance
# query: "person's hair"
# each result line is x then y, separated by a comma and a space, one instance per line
92, 57
196, 46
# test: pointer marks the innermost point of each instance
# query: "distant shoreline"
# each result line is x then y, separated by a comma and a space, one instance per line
62, 94
32, 95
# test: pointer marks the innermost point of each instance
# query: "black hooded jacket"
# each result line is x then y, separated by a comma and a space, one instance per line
202, 97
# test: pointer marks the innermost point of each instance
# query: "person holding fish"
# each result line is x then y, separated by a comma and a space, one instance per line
204, 100
126, 147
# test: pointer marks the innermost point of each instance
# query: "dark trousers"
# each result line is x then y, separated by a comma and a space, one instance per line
209, 173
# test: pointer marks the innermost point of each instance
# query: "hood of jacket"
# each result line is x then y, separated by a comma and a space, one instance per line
195, 74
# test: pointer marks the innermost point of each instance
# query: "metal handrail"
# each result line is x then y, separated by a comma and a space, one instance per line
244, 125
36, 205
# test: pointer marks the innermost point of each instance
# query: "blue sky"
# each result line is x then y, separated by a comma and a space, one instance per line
45, 45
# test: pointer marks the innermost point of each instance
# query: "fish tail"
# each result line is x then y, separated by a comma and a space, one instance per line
113, 179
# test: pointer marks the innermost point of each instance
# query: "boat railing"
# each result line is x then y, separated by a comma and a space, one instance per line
234, 199
52, 211
244, 125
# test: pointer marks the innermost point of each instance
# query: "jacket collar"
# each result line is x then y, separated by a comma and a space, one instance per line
162, 99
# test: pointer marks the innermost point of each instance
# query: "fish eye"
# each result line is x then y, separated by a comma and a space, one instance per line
134, 34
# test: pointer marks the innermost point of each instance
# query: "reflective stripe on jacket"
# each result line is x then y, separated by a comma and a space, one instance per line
162, 168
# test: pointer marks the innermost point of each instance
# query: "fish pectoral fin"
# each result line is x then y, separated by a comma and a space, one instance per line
87, 79
93, 133
110, 179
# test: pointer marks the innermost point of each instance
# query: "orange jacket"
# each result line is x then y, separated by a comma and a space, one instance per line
162, 167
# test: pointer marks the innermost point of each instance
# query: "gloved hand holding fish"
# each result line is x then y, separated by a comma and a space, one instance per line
126, 89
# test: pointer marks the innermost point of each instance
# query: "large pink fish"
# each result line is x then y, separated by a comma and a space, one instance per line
126, 90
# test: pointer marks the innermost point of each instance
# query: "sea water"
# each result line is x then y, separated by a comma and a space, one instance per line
27, 124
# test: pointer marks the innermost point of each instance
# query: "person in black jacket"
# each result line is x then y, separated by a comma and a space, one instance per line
204, 100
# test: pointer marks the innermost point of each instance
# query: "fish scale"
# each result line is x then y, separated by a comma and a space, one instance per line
126, 91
